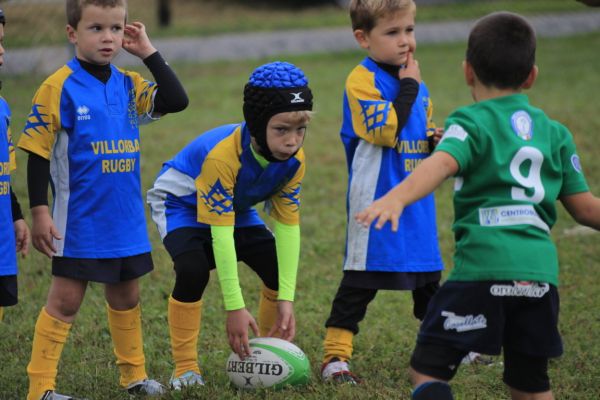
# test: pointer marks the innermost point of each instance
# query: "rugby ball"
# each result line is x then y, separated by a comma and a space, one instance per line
273, 363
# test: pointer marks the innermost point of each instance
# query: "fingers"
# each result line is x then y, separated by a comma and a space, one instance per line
254, 327
23, 244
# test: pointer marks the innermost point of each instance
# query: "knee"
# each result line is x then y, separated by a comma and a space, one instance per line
64, 307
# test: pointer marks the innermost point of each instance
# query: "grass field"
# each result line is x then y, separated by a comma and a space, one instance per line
566, 90
210, 17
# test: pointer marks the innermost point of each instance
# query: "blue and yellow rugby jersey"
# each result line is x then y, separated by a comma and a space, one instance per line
379, 157
216, 180
89, 131
8, 255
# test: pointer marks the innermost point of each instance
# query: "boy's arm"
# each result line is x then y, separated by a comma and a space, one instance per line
584, 208
22, 237
422, 181
287, 244
170, 95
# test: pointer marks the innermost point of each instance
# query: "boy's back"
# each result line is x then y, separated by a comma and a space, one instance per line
517, 163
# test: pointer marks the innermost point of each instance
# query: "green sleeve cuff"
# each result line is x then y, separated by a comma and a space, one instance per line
226, 259
287, 244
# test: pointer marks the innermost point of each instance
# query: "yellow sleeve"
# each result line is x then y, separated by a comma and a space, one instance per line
374, 118
144, 93
284, 206
43, 122
430, 123
214, 187
12, 157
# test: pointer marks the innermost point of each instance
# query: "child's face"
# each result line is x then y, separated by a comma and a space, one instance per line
99, 35
285, 134
1, 44
391, 39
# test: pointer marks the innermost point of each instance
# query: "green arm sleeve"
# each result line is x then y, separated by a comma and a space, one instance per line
226, 259
287, 244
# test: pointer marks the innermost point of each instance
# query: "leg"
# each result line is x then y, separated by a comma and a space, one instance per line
431, 368
192, 272
125, 323
526, 376
51, 331
421, 297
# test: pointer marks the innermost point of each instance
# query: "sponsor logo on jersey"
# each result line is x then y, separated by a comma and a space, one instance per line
521, 289
522, 125
296, 98
511, 215
576, 163
463, 323
83, 113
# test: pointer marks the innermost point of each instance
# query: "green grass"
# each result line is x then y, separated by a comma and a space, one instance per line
210, 17
566, 90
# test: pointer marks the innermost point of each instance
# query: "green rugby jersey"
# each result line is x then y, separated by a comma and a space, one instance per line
514, 163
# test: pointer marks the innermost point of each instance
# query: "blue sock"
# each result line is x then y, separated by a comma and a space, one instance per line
432, 390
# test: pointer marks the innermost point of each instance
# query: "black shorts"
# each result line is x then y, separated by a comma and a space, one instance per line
103, 270
248, 240
487, 316
8, 290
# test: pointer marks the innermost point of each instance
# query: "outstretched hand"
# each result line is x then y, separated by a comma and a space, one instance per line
237, 331
136, 40
285, 326
43, 231
381, 211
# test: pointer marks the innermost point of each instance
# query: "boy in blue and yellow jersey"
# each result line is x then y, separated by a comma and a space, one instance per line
14, 232
82, 135
511, 163
387, 130
202, 203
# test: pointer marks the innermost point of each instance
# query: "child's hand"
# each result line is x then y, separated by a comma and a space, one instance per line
437, 136
43, 231
237, 331
285, 326
384, 209
136, 40
22, 236
411, 69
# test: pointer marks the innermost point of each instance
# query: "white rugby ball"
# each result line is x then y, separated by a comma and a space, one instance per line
272, 363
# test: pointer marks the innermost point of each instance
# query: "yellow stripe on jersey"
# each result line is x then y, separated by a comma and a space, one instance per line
217, 180
43, 123
144, 91
430, 124
283, 205
374, 119
12, 157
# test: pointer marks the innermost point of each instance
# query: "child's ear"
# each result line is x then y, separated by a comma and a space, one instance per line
469, 73
71, 34
362, 38
531, 78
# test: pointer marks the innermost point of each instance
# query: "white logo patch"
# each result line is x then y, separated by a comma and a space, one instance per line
511, 215
522, 125
576, 162
521, 289
297, 98
83, 113
462, 324
455, 131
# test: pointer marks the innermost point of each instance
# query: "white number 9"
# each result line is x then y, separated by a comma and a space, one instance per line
533, 180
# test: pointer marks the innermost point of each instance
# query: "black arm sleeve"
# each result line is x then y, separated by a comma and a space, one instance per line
409, 88
17, 214
38, 176
170, 96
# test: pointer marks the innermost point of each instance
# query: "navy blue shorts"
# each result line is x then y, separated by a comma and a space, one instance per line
8, 290
103, 270
488, 316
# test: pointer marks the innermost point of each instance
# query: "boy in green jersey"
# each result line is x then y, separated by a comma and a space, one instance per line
511, 164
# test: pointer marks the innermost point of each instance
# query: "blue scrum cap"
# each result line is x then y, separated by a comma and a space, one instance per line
271, 89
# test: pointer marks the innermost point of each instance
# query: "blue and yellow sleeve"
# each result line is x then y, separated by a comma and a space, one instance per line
374, 118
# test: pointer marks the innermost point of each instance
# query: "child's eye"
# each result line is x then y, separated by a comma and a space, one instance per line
117, 28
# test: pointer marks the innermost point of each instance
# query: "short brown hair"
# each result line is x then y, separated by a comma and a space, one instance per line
501, 50
75, 8
365, 13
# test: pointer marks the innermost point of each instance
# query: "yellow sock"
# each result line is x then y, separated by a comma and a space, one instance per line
48, 341
267, 310
126, 332
337, 343
184, 329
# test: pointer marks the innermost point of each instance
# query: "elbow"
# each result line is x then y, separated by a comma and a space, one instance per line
181, 103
